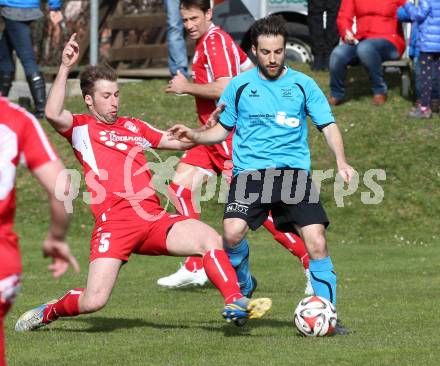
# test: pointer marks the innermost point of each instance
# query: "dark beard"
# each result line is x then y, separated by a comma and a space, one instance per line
266, 73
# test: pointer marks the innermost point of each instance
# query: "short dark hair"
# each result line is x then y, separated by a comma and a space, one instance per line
203, 5
272, 25
91, 74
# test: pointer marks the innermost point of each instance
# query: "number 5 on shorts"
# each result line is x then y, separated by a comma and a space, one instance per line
105, 242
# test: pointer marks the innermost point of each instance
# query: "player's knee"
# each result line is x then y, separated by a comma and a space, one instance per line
94, 302
317, 247
212, 241
232, 238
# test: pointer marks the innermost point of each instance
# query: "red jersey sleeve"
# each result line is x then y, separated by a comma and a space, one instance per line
220, 57
244, 59
35, 148
150, 133
345, 17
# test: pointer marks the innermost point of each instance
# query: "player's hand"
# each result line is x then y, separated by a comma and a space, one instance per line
214, 118
61, 257
55, 16
70, 52
346, 172
177, 84
182, 133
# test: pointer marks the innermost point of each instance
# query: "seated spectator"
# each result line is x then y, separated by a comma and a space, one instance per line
427, 16
378, 38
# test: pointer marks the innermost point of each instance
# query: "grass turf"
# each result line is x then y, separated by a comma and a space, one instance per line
386, 257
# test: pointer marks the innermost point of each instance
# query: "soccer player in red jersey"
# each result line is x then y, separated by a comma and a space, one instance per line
127, 211
217, 59
23, 139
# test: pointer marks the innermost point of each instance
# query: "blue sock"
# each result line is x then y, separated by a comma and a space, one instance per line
323, 278
239, 257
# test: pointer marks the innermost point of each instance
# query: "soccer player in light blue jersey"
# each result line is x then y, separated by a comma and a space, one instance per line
268, 107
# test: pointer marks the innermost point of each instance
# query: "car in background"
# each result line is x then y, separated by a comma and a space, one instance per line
237, 16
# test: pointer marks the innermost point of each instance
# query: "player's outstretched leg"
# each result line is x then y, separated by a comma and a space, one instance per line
101, 279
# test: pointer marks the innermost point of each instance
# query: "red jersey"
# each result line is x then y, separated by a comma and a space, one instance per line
115, 168
216, 56
21, 139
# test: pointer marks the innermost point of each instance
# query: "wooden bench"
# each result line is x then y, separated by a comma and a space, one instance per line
404, 66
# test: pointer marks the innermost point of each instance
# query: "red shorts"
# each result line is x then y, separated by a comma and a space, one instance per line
216, 158
119, 233
9, 288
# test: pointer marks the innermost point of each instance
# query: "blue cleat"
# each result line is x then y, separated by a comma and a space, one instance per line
243, 309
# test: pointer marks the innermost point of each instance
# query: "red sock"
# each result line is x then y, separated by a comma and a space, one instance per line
292, 242
193, 264
68, 305
2, 344
181, 198
220, 272
4, 308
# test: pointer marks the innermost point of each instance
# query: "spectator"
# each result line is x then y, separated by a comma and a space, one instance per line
378, 38
414, 54
177, 56
427, 16
17, 36
324, 39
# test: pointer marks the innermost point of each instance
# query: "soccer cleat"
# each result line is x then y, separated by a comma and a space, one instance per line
245, 308
242, 321
341, 330
33, 319
309, 288
183, 278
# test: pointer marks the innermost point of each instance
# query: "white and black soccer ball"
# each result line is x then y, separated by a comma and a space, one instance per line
315, 317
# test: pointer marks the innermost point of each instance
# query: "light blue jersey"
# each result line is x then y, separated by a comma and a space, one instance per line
270, 119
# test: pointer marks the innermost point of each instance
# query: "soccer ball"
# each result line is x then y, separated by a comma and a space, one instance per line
315, 317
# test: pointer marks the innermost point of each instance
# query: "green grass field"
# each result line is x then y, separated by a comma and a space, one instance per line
386, 257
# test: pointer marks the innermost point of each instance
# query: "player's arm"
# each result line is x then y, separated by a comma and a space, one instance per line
334, 140
208, 136
54, 245
179, 84
169, 143
60, 118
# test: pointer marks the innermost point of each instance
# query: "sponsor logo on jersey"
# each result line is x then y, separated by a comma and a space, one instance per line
114, 140
283, 120
131, 126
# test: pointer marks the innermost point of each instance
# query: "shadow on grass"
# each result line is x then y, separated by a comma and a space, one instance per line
98, 324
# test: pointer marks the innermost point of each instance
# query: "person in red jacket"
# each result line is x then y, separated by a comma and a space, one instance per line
378, 37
